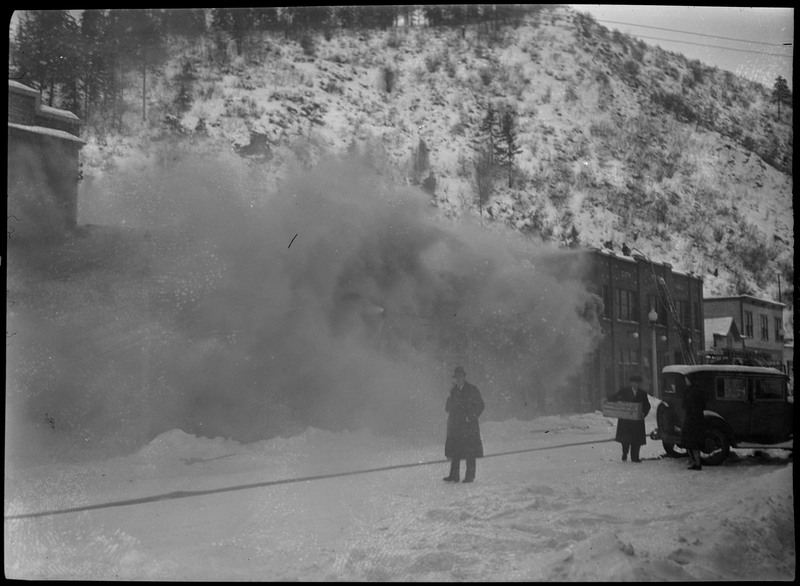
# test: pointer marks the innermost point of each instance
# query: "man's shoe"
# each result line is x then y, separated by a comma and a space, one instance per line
468, 479
624, 458
637, 460
450, 479
695, 467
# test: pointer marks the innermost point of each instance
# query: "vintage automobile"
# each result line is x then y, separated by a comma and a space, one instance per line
744, 404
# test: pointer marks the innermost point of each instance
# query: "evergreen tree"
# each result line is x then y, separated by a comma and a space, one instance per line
148, 45
434, 14
185, 80
26, 55
189, 22
421, 162
507, 149
488, 131
781, 93
484, 178
266, 19
45, 52
115, 59
238, 22
135, 40
95, 64
311, 17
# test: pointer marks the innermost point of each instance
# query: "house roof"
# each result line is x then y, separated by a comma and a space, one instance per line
719, 326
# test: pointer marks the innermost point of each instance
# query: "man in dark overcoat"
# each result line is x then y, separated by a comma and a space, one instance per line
630, 432
464, 406
693, 430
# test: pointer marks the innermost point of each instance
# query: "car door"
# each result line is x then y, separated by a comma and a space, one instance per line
732, 402
768, 409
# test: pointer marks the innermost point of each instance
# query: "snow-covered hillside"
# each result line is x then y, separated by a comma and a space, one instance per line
620, 142
552, 502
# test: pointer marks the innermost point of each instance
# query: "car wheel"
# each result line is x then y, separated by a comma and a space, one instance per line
717, 447
674, 451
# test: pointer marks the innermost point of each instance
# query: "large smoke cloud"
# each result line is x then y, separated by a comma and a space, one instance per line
336, 301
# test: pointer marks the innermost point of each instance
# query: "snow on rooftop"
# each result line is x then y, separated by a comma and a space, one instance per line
47, 131
40, 108
718, 325
57, 112
689, 368
15, 85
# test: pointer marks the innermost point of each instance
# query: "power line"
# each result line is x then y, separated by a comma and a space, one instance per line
698, 34
714, 46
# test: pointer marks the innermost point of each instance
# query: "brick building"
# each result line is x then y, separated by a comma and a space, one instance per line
631, 287
43, 164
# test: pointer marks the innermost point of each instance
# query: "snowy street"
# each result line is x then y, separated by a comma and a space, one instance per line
560, 514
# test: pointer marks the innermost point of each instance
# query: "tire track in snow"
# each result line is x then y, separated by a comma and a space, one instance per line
195, 493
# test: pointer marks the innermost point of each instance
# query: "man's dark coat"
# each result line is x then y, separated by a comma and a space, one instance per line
630, 431
693, 430
464, 406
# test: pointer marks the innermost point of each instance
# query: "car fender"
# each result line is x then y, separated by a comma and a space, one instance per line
717, 420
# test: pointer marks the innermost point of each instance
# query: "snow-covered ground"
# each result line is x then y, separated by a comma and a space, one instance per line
552, 501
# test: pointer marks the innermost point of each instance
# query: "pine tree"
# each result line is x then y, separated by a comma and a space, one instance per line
94, 67
781, 93
189, 22
236, 21
421, 162
45, 54
488, 131
147, 40
484, 178
507, 149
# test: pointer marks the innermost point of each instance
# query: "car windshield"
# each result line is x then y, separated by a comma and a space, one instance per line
673, 383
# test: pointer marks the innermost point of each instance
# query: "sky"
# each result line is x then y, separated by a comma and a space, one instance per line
753, 42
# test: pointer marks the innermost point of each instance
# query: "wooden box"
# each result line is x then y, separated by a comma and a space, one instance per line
622, 409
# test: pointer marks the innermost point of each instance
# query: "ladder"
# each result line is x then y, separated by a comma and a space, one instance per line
663, 291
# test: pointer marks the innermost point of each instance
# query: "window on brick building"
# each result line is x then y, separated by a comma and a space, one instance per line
764, 327
748, 324
606, 301
627, 305
683, 313
627, 363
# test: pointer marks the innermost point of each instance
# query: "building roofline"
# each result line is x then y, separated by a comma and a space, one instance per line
635, 258
51, 112
732, 368
42, 109
45, 131
741, 297
21, 88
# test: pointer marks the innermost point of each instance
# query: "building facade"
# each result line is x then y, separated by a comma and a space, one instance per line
652, 316
760, 324
722, 335
43, 164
